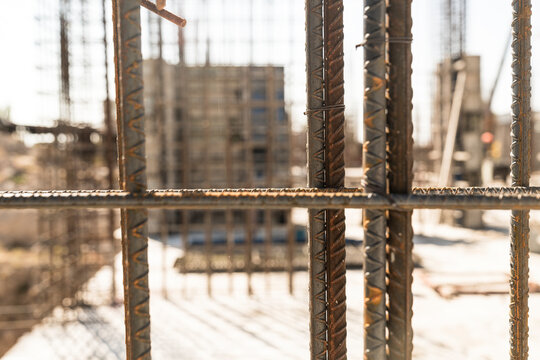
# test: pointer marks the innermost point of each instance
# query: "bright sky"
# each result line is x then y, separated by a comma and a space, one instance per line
488, 25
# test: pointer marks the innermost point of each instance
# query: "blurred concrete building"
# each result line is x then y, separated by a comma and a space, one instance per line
458, 124
216, 127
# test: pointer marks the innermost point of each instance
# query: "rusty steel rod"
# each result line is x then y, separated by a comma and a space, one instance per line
520, 172
335, 177
268, 214
109, 148
208, 250
167, 15
290, 251
400, 176
449, 198
132, 162
250, 226
229, 216
374, 160
316, 178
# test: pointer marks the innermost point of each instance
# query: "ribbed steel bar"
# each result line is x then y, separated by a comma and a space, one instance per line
400, 175
520, 172
316, 178
335, 177
471, 198
374, 159
129, 100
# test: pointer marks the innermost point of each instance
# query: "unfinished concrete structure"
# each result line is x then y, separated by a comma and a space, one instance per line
460, 115
209, 119
226, 127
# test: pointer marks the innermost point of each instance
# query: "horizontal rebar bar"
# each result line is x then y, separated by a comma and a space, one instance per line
424, 198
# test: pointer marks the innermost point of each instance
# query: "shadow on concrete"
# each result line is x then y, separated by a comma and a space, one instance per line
434, 240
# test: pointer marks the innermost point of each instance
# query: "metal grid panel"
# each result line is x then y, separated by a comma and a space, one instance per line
325, 109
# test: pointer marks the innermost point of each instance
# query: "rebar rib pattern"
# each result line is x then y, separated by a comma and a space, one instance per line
316, 177
445, 198
400, 175
132, 161
374, 159
335, 177
520, 169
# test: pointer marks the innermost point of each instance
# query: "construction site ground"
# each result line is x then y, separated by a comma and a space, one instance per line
460, 306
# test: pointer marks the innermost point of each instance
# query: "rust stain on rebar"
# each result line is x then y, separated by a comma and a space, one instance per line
374, 158
335, 178
316, 178
507, 198
520, 170
400, 174
128, 62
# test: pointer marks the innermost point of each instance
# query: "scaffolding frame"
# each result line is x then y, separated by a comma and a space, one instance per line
325, 105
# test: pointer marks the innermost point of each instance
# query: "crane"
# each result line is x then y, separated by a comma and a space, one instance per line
453, 28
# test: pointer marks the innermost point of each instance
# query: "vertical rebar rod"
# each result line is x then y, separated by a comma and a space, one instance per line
208, 250
132, 162
290, 236
229, 233
248, 248
268, 222
251, 224
109, 148
65, 58
335, 177
316, 177
400, 175
185, 164
229, 219
374, 160
520, 168
164, 167
208, 231
52, 293
164, 236
185, 247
